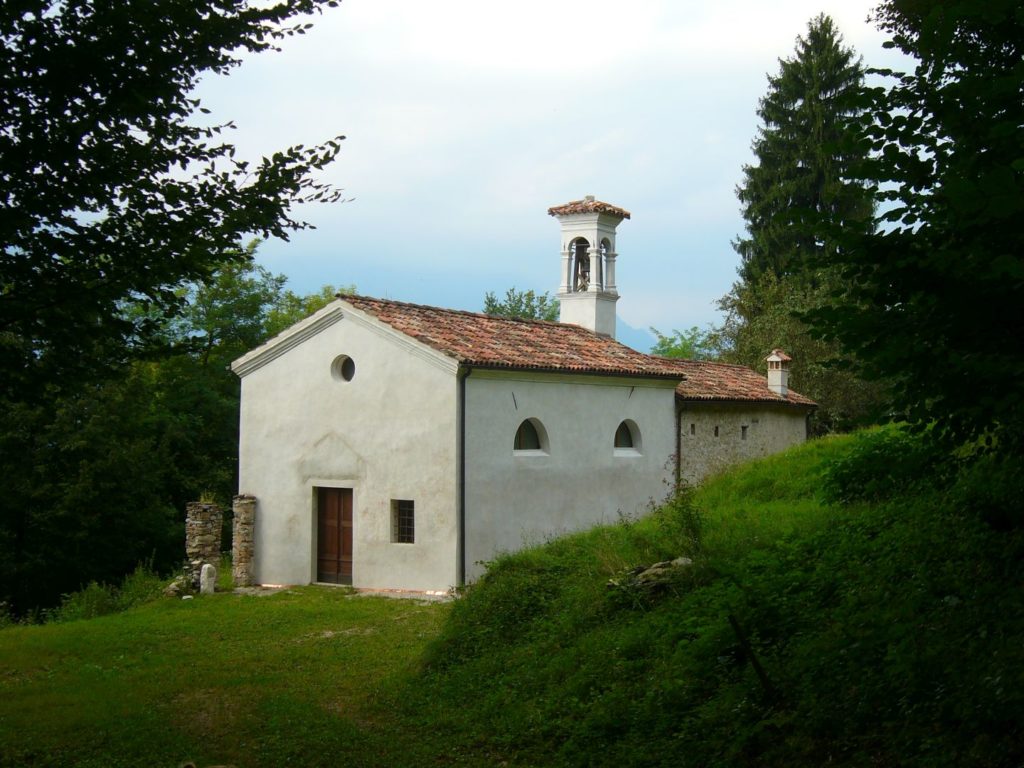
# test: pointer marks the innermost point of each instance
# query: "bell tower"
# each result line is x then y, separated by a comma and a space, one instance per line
587, 292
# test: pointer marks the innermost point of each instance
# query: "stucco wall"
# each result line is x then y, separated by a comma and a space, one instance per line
389, 433
769, 429
581, 480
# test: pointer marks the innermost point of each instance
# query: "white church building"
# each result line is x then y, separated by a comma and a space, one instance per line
399, 446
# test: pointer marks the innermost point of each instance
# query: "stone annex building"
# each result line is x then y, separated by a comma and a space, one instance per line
398, 446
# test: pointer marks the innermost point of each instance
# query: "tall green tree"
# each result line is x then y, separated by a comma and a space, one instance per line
114, 187
797, 196
933, 297
800, 186
524, 304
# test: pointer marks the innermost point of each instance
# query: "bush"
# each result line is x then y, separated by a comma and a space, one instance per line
880, 464
140, 586
992, 488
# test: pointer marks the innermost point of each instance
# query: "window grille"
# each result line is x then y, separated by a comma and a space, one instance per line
403, 522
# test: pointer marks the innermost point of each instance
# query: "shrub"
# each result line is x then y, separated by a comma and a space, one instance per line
140, 586
880, 464
89, 602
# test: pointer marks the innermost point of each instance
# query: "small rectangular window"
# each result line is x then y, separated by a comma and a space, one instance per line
403, 521
743, 432
716, 431
693, 429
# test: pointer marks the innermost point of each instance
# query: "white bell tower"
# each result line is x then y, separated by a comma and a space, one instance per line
587, 292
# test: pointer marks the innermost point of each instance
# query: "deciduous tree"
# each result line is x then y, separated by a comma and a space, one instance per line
933, 297
524, 304
692, 344
114, 187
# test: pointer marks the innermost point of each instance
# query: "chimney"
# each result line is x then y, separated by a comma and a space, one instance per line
778, 372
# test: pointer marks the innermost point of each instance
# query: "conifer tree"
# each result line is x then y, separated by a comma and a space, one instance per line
799, 186
796, 200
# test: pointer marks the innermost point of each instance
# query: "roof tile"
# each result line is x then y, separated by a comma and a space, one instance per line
723, 381
587, 205
498, 342
487, 341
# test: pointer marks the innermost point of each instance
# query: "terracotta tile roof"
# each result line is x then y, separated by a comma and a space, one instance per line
497, 342
588, 205
722, 381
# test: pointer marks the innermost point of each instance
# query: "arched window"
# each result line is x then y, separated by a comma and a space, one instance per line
623, 437
627, 439
580, 264
530, 437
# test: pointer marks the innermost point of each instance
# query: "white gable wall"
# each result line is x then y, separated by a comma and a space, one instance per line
389, 433
514, 499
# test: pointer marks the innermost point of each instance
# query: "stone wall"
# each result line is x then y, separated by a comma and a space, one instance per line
242, 538
202, 538
715, 436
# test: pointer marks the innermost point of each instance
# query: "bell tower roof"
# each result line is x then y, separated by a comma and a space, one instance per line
588, 205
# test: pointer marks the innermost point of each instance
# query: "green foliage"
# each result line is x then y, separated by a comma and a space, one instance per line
523, 304
880, 464
123, 289
801, 187
852, 635
99, 475
795, 200
877, 633
115, 189
225, 574
933, 296
139, 587
693, 344
291, 307
765, 315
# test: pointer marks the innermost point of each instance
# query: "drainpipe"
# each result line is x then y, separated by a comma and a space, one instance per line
461, 521
679, 443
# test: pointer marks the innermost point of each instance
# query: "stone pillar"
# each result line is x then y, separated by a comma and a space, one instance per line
202, 538
243, 538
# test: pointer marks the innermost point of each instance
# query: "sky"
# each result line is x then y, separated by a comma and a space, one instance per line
465, 120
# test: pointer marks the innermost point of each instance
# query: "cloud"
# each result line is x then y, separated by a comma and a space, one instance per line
467, 119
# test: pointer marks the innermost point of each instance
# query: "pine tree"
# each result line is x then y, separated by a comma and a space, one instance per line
797, 200
800, 187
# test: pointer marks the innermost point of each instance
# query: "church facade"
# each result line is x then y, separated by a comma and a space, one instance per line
400, 446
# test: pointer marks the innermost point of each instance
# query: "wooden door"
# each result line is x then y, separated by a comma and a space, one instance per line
334, 535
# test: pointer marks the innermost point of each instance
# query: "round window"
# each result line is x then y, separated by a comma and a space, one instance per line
343, 368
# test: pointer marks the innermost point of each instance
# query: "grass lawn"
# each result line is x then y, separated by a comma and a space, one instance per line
299, 677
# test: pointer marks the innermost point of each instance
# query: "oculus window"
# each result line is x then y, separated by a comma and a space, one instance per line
343, 368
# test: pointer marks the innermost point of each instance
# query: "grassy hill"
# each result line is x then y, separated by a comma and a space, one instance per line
854, 602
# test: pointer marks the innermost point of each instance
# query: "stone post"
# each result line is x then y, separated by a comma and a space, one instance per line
243, 539
202, 538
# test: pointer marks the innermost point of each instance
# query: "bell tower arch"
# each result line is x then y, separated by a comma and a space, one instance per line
587, 293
